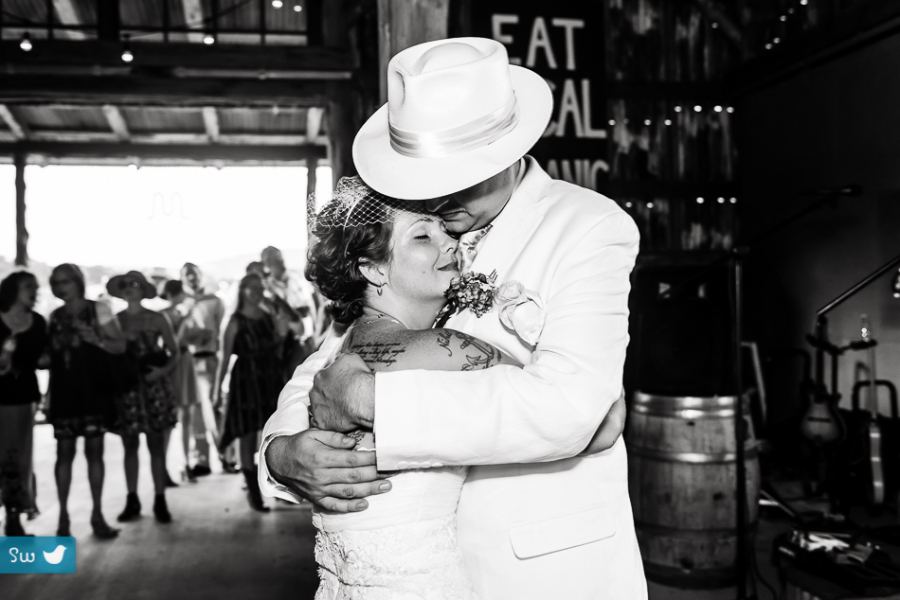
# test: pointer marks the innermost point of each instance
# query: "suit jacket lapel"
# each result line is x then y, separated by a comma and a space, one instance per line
514, 225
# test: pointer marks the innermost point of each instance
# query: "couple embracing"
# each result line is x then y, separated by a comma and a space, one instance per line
458, 432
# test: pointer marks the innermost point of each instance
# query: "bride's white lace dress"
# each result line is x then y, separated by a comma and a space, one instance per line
403, 547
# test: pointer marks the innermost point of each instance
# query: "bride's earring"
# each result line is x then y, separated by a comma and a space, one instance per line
380, 289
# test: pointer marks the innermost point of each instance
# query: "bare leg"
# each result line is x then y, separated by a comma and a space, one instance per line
156, 445
186, 434
93, 451
131, 442
65, 454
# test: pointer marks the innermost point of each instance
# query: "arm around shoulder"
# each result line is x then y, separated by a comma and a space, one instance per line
546, 411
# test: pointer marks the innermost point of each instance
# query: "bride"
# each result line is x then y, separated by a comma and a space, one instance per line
385, 265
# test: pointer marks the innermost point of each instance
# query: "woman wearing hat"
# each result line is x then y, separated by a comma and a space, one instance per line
149, 407
82, 335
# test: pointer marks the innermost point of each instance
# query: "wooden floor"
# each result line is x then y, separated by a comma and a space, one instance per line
216, 548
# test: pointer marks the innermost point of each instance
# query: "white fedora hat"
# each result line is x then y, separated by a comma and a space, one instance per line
457, 114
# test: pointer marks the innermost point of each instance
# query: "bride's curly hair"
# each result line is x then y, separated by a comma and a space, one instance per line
354, 228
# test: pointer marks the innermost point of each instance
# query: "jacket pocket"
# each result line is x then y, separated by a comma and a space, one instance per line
560, 533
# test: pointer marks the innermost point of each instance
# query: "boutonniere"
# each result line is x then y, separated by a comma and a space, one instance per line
520, 310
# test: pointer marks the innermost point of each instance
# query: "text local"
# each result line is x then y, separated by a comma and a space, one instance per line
575, 101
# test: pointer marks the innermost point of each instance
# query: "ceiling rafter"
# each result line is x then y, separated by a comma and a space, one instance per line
16, 125
211, 122
116, 122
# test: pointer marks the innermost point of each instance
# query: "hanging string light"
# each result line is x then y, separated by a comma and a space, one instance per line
127, 56
277, 3
297, 8
25, 44
209, 40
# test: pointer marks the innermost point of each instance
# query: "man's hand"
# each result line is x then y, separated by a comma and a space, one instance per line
322, 467
610, 429
343, 396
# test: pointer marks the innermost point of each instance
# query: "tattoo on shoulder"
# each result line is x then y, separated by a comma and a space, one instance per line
486, 357
379, 353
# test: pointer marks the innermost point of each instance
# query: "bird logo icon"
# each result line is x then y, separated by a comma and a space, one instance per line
55, 557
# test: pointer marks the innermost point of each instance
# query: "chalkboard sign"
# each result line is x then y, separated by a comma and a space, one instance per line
563, 42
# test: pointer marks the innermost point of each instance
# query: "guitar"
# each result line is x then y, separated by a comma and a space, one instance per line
871, 430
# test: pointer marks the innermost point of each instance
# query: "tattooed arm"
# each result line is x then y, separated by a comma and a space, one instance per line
430, 349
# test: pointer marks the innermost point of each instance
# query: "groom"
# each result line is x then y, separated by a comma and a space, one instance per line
537, 518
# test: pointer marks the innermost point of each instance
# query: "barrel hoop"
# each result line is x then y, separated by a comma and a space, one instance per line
684, 414
693, 457
667, 403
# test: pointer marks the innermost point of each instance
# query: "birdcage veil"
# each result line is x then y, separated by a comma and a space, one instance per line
354, 204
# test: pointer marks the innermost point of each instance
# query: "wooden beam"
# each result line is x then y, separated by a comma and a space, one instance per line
211, 122
405, 23
193, 14
152, 152
16, 126
116, 122
21, 230
314, 122
68, 15
163, 58
193, 139
23, 89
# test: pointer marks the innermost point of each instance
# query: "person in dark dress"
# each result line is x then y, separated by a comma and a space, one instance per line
253, 336
149, 407
23, 346
82, 334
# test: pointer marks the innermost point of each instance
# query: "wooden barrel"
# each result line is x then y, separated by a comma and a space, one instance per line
682, 479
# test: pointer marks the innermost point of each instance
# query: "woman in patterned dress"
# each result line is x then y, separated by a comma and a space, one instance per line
184, 378
82, 333
150, 406
256, 339
23, 344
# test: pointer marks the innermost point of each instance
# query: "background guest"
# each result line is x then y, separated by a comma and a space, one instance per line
184, 379
295, 298
23, 343
82, 334
201, 332
149, 407
256, 379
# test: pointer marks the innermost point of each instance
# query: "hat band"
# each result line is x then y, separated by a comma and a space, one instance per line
474, 134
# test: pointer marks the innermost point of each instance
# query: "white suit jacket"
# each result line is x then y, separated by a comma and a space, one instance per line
534, 520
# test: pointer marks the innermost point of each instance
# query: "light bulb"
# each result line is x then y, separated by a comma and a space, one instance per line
733, 200
668, 122
25, 44
717, 108
127, 56
647, 122
628, 205
677, 109
698, 108
720, 200
209, 40
297, 8
612, 123
730, 110
700, 200
277, 3
649, 205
